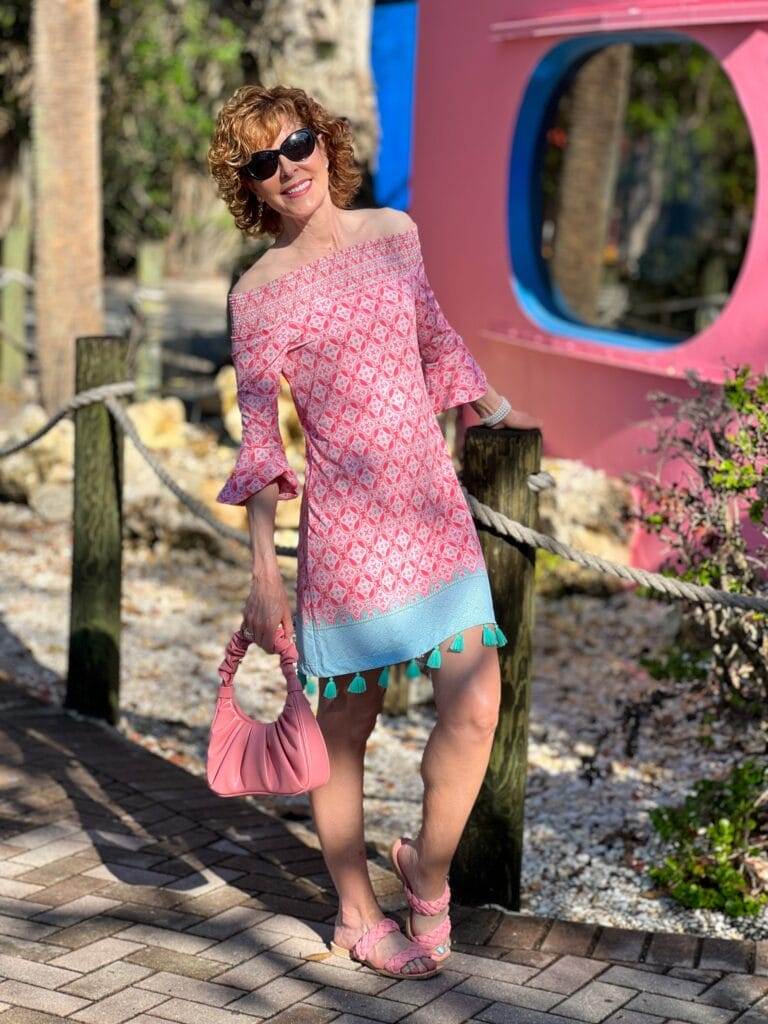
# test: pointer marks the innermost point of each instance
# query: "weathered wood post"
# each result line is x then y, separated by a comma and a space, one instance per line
93, 673
397, 692
152, 303
15, 247
488, 861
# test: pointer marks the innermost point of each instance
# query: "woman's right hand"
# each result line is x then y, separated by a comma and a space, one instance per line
266, 607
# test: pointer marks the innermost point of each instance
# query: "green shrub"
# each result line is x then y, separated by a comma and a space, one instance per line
718, 436
717, 835
679, 663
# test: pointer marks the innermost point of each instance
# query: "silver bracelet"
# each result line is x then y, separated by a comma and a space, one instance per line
498, 415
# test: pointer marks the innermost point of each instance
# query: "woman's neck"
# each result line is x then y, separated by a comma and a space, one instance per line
324, 232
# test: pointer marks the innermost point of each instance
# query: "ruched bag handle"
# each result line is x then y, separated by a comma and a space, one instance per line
239, 644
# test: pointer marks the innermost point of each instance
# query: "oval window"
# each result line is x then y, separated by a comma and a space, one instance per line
647, 179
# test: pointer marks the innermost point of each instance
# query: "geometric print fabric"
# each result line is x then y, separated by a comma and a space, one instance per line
385, 533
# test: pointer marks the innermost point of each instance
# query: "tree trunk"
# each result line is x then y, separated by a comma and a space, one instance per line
324, 48
67, 189
599, 97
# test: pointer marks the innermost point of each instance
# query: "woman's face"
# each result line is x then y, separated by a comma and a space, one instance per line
296, 188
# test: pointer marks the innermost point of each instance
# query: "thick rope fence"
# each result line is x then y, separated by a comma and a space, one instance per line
484, 514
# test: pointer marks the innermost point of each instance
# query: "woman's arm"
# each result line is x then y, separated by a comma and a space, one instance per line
267, 603
452, 374
259, 479
261, 508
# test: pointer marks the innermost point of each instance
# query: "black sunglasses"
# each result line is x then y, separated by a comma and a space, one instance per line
296, 146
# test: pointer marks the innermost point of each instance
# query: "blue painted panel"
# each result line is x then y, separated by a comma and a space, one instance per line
393, 51
530, 278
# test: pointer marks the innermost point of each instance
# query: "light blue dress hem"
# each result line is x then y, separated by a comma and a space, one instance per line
396, 636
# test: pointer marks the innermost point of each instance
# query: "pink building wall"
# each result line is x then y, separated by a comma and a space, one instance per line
473, 66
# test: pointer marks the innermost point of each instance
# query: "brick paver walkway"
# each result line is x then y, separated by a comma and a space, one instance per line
130, 892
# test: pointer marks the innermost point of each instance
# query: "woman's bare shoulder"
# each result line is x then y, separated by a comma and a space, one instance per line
265, 269
369, 223
388, 221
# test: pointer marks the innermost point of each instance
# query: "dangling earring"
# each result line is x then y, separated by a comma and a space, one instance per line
259, 208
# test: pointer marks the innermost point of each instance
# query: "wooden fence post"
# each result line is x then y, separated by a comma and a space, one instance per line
150, 275
488, 861
15, 248
93, 673
397, 692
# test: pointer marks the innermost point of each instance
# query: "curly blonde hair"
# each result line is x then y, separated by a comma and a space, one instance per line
248, 121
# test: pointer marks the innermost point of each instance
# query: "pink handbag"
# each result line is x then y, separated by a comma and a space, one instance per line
245, 756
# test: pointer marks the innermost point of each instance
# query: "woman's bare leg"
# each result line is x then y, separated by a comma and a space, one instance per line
467, 689
346, 722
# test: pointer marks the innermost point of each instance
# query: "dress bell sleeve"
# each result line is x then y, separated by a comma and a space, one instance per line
451, 373
257, 361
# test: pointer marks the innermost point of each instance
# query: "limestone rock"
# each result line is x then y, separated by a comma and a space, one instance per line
161, 422
18, 474
584, 502
587, 509
52, 501
49, 457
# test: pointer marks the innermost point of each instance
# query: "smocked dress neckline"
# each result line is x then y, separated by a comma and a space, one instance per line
266, 289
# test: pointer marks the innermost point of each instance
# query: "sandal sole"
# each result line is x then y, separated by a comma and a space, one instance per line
437, 957
342, 951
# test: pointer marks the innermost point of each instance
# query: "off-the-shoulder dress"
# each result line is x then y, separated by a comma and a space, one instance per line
389, 560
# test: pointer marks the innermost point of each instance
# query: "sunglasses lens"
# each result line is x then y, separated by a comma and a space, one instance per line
299, 145
262, 165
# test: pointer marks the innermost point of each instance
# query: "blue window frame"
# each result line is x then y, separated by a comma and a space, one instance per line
530, 278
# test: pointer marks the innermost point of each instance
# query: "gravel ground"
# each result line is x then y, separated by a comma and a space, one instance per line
591, 778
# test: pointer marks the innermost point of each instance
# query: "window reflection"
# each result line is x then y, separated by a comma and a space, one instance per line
648, 186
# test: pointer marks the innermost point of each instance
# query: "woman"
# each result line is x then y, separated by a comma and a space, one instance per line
390, 567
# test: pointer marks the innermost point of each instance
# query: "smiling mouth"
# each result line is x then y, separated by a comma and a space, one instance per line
298, 189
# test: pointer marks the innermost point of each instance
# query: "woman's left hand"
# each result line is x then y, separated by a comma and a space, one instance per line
521, 420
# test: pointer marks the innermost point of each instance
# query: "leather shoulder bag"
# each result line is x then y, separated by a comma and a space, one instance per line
245, 756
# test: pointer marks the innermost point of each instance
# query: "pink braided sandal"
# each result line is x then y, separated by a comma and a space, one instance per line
435, 943
393, 966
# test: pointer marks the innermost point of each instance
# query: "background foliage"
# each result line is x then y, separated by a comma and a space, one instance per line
165, 68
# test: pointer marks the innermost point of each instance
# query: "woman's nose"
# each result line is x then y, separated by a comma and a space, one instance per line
286, 166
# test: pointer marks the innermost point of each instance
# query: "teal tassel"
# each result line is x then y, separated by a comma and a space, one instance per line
310, 688
412, 671
458, 643
434, 660
357, 685
330, 688
302, 679
500, 638
383, 679
489, 637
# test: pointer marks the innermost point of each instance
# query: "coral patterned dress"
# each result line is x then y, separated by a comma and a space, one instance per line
389, 561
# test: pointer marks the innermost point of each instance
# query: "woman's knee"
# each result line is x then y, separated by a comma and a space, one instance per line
467, 687
474, 717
